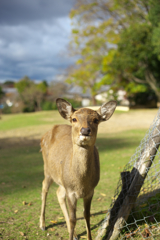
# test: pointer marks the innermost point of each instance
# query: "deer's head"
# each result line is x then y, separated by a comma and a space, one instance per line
85, 121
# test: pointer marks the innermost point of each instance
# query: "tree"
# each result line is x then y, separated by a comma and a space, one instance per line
91, 28
31, 94
135, 63
1, 97
87, 76
56, 90
22, 84
129, 31
1, 92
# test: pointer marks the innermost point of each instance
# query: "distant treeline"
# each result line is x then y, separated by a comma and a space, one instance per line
30, 96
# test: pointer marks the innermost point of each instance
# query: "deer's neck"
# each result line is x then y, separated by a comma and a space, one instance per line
83, 160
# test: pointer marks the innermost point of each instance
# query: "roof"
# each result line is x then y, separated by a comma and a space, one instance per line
77, 90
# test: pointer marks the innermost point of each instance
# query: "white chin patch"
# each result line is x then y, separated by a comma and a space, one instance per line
84, 138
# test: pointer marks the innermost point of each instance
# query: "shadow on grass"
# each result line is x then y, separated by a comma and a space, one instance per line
82, 218
97, 225
105, 144
15, 142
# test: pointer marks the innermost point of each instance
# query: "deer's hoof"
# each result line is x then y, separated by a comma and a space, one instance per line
42, 228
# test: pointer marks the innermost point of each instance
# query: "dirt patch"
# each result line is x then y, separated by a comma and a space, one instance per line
139, 119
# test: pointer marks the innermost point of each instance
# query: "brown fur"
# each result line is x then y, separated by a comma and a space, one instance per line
71, 160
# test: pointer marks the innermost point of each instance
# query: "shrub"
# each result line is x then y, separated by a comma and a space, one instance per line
48, 105
6, 109
75, 103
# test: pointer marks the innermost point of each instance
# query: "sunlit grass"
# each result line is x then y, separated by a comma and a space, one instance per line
21, 120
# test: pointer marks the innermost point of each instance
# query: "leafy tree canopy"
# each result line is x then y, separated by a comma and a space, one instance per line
136, 58
1, 92
124, 36
24, 83
92, 36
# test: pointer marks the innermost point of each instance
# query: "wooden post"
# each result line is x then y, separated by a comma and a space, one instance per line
117, 217
125, 176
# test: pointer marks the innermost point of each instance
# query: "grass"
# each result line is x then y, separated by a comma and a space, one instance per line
17, 121
21, 174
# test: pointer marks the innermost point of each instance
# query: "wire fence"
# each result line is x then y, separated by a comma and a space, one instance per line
135, 210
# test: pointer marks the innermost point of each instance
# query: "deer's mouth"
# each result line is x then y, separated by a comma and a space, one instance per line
84, 138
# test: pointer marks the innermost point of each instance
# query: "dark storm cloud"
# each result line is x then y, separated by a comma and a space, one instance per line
33, 38
15, 12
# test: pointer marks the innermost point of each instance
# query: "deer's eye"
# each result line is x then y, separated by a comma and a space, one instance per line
74, 120
96, 120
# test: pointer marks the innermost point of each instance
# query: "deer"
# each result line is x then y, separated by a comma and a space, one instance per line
71, 160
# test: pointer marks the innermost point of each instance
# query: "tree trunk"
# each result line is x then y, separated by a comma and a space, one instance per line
158, 99
94, 101
152, 82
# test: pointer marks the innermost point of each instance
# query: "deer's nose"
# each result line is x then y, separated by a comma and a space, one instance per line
85, 131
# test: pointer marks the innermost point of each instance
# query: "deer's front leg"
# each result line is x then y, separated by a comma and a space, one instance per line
87, 207
61, 194
72, 204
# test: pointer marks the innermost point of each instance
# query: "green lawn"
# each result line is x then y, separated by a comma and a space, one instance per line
16, 121
21, 174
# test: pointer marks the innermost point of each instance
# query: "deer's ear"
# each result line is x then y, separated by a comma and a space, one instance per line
65, 108
106, 110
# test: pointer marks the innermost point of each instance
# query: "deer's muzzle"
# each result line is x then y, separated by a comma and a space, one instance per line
85, 131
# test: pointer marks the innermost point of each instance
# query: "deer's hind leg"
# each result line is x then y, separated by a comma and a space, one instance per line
45, 188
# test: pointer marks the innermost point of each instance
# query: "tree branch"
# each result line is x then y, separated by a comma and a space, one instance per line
150, 79
138, 80
133, 78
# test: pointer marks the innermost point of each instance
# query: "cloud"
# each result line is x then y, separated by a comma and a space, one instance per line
34, 38
17, 12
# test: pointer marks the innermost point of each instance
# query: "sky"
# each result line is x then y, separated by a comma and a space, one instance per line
34, 38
